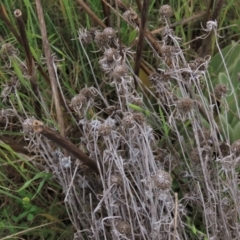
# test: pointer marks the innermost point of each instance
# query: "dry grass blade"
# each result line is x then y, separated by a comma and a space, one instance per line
50, 66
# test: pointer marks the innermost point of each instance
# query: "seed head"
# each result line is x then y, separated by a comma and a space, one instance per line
139, 118
224, 148
111, 54
184, 105
130, 16
104, 130
101, 39
235, 148
85, 36
87, 92
123, 227
116, 179
27, 125
220, 90
166, 11
198, 64
162, 180
7, 50
119, 72
128, 120
78, 102
110, 33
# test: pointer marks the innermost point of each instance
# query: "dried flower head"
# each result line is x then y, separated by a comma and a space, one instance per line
27, 125
111, 54
235, 148
88, 92
104, 130
10, 87
204, 137
220, 90
139, 118
224, 148
8, 50
156, 77
131, 17
110, 33
184, 105
198, 64
162, 180
136, 101
85, 36
78, 102
128, 120
101, 39
166, 11
168, 51
110, 110
116, 178
119, 72
123, 227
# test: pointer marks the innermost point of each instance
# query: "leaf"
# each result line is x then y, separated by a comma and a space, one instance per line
39, 175
30, 217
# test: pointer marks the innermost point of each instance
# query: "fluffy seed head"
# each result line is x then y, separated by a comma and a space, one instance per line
118, 72
7, 50
220, 90
128, 120
166, 11
87, 92
198, 63
116, 179
111, 54
130, 16
139, 118
27, 125
85, 36
162, 180
104, 130
78, 102
184, 105
123, 227
110, 33
101, 39
224, 148
156, 77
168, 51
235, 148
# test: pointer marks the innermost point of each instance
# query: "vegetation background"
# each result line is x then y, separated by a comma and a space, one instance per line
192, 148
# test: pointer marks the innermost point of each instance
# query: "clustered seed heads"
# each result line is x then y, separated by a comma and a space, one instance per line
220, 90
162, 180
184, 105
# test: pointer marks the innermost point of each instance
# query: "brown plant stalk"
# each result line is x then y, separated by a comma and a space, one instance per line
40, 128
49, 59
